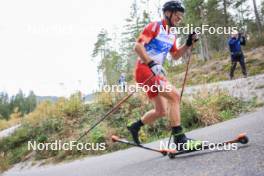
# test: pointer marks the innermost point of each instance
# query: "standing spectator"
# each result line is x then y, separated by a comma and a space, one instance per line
235, 42
122, 80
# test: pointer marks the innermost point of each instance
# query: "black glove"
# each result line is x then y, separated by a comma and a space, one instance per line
190, 40
157, 69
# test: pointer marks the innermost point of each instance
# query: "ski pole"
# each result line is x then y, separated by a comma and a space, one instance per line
112, 110
186, 73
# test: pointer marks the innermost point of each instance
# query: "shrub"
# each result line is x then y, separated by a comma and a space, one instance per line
18, 154
42, 111
98, 135
74, 107
216, 107
20, 136
3, 124
50, 126
226, 114
189, 116
104, 99
15, 118
4, 163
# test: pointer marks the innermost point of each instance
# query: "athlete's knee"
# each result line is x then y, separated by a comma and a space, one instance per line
175, 97
161, 112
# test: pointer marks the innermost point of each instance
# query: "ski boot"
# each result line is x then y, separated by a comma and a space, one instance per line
186, 144
134, 130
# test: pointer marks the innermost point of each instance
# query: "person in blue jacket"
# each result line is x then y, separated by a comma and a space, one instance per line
235, 42
122, 81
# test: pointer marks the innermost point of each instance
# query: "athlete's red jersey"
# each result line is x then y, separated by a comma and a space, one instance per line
158, 43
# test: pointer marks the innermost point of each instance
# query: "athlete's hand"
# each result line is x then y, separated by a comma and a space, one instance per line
192, 38
157, 69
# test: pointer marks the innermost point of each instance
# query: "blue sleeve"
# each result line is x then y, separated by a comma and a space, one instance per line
233, 41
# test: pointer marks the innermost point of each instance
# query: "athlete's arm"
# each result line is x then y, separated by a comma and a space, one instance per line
148, 33
176, 54
141, 52
157, 69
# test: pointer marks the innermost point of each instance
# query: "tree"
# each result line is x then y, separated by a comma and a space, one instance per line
135, 23
197, 16
102, 44
214, 17
102, 49
111, 67
16, 114
262, 10
257, 17
244, 20
4, 105
226, 3
243, 13
30, 102
19, 102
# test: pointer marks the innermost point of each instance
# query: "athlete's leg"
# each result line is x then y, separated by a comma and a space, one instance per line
173, 99
159, 111
179, 137
149, 117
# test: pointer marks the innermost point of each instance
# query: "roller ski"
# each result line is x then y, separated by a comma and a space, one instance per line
241, 138
125, 141
192, 145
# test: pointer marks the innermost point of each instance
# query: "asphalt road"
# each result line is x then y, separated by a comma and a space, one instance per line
248, 160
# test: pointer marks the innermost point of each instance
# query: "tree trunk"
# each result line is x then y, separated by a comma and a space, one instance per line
225, 23
225, 13
205, 51
204, 42
257, 17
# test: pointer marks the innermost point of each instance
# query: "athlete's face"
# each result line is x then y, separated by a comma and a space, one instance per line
176, 18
